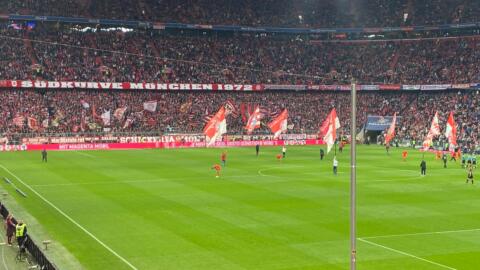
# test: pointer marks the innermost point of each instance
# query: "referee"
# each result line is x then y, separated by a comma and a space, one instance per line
44, 155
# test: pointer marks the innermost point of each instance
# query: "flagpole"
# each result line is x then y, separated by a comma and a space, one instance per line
353, 179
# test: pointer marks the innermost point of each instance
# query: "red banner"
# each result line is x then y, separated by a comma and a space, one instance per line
30, 84
130, 86
390, 87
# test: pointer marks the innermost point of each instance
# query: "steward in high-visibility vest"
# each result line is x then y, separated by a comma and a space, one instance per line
21, 232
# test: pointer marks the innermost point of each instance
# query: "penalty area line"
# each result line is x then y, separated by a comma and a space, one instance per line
406, 254
70, 219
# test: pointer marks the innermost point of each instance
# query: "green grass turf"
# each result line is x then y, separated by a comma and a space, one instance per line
164, 209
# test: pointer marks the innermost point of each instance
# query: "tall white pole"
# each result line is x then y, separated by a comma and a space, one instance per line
353, 179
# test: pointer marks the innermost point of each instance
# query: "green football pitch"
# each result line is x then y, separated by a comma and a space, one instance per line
164, 209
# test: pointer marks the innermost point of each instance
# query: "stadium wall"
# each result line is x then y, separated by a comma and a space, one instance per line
110, 142
151, 145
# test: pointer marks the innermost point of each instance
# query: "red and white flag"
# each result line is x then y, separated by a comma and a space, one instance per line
451, 132
119, 113
328, 129
128, 123
279, 125
45, 123
434, 131
254, 121
216, 127
391, 130
150, 106
231, 109
32, 123
19, 121
106, 117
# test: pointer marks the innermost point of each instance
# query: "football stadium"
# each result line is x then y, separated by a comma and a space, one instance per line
275, 135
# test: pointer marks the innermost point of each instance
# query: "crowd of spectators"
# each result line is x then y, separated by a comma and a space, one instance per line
186, 112
292, 13
64, 54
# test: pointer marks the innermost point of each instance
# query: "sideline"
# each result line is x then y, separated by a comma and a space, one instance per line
406, 254
70, 219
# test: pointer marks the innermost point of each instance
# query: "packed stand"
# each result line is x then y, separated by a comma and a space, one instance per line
363, 13
186, 112
53, 54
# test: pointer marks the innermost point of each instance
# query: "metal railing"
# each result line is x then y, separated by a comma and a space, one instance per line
43, 262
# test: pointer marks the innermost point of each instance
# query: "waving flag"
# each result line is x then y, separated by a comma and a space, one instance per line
32, 123
106, 118
128, 122
216, 127
150, 106
254, 121
279, 124
231, 109
434, 131
119, 113
391, 130
451, 132
19, 121
186, 106
45, 123
328, 129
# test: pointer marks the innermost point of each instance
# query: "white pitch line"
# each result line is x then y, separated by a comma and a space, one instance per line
260, 171
406, 254
99, 183
71, 219
422, 233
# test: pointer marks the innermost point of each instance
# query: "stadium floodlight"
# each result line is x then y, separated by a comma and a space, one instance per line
353, 178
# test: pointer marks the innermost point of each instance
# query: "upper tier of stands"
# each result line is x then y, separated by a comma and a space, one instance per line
291, 13
52, 53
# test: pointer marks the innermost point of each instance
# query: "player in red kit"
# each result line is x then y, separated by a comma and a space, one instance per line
404, 155
217, 168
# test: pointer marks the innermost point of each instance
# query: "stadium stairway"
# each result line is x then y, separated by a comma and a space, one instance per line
154, 49
92, 43
29, 49
395, 59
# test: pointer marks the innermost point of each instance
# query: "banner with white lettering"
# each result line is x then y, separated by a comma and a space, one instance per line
128, 85
31, 84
